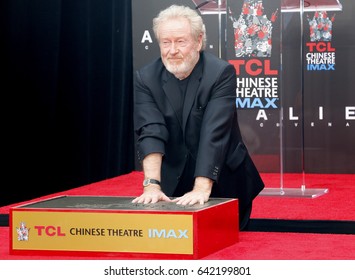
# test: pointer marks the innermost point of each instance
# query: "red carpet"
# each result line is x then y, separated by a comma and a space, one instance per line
338, 204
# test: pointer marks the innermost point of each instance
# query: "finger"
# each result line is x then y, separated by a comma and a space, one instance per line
154, 199
179, 200
201, 201
142, 199
147, 200
184, 200
176, 199
137, 200
166, 198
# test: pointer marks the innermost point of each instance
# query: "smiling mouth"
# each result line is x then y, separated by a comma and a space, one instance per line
175, 60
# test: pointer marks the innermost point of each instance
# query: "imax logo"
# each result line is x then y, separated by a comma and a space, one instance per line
163, 233
257, 103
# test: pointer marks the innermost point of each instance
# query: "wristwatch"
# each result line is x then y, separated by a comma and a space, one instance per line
149, 181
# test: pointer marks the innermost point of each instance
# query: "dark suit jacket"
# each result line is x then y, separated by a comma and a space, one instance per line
208, 132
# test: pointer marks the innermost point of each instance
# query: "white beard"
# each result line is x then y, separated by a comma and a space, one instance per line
183, 69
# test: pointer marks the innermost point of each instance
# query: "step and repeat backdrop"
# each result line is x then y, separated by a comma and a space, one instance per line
295, 93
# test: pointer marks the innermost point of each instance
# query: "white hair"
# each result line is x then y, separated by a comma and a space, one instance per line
174, 11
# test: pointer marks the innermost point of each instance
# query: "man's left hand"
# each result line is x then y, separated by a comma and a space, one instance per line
200, 193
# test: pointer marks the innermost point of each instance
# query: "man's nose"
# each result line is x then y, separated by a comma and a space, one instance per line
173, 48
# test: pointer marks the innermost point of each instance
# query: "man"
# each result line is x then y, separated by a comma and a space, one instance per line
188, 138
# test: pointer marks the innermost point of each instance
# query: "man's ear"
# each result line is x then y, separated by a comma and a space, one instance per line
200, 42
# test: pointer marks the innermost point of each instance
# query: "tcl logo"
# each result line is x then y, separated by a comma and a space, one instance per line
49, 231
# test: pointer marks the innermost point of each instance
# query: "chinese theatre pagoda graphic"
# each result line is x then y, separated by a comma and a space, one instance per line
320, 27
252, 30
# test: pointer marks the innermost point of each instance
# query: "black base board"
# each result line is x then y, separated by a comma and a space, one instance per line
4, 220
302, 226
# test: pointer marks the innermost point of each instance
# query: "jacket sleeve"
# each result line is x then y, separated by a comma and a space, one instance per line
216, 126
149, 123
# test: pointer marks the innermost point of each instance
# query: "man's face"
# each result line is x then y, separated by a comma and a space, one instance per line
179, 50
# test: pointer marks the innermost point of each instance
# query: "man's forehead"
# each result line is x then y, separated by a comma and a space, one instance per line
175, 27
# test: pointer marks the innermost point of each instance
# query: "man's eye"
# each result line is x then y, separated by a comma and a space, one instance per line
182, 43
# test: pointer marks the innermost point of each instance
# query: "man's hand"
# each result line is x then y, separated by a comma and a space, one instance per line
200, 193
151, 194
